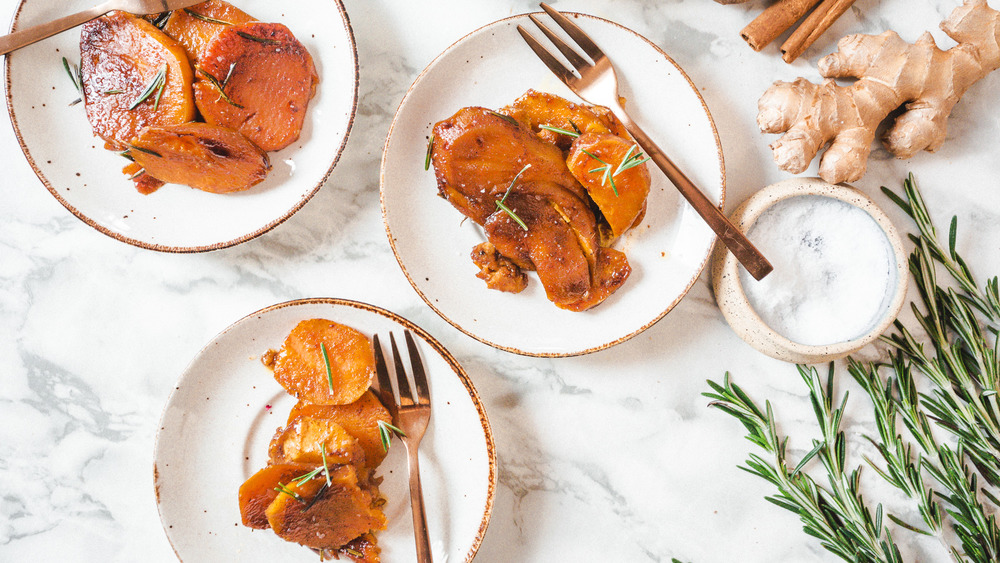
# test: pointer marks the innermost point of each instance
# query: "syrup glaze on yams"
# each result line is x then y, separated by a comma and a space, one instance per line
553, 184
202, 93
319, 488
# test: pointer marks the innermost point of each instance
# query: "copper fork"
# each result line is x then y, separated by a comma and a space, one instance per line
595, 81
411, 415
36, 33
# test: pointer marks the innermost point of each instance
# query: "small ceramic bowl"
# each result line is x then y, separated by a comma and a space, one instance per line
747, 323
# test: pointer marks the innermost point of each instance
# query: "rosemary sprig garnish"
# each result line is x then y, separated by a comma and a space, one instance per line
503, 206
218, 86
430, 153
631, 160
258, 39
283, 490
204, 18
155, 86
606, 168
326, 363
506, 118
229, 74
112, 92
385, 432
76, 78
573, 134
145, 150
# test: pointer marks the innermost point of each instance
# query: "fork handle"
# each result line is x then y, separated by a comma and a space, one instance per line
735, 241
36, 33
417, 507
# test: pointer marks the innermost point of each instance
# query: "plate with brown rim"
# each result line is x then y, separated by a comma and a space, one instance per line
491, 67
216, 426
73, 165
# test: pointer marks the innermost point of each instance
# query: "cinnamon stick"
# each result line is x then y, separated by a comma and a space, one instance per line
774, 21
813, 27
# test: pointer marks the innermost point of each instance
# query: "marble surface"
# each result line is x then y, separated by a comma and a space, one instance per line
608, 457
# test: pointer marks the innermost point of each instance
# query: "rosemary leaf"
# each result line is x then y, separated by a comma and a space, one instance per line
258, 39
430, 153
385, 432
573, 134
204, 18
502, 206
155, 86
326, 363
72, 76
218, 86
506, 118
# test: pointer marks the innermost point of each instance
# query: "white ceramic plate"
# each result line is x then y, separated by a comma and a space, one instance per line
491, 67
216, 427
71, 162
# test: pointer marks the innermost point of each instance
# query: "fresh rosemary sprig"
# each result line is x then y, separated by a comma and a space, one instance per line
506, 118
430, 152
155, 86
503, 206
284, 490
606, 168
838, 516
204, 18
326, 363
385, 432
219, 86
258, 39
631, 160
76, 78
574, 134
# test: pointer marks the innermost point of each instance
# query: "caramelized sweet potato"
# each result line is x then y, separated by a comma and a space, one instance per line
196, 26
535, 109
498, 271
121, 57
326, 518
620, 196
360, 419
210, 158
258, 492
477, 153
300, 366
307, 437
256, 78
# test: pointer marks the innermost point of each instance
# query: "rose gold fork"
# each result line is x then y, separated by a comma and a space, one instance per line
34, 34
595, 81
410, 415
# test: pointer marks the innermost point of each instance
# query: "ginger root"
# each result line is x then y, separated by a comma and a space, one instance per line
889, 73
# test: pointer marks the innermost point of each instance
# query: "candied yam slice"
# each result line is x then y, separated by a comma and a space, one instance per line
360, 419
121, 57
258, 492
300, 366
256, 78
196, 26
342, 512
536, 109
307, 438
620, 196
207, 157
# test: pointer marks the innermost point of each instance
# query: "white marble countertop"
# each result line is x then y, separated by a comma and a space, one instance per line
612, 456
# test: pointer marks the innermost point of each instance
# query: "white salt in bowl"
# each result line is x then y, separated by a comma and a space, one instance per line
733, 298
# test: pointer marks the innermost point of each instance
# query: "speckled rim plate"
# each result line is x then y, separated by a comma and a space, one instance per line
220, 418
491, 67
86, 179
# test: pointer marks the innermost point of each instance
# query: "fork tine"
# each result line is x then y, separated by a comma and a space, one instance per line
385, 394
574, 58
402, 381
550, 61
574, 31
419, 377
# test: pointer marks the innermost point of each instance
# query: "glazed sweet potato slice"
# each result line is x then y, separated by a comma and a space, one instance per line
326, 517
256, 78
536, 109
133, 76
605, 165
210, 158
309, 439
197, 26
360, 419
301, 364
258, 492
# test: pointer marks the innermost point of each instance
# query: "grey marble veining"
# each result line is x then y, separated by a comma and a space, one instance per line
608, 457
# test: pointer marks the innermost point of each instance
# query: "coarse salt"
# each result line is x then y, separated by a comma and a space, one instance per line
833, 270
